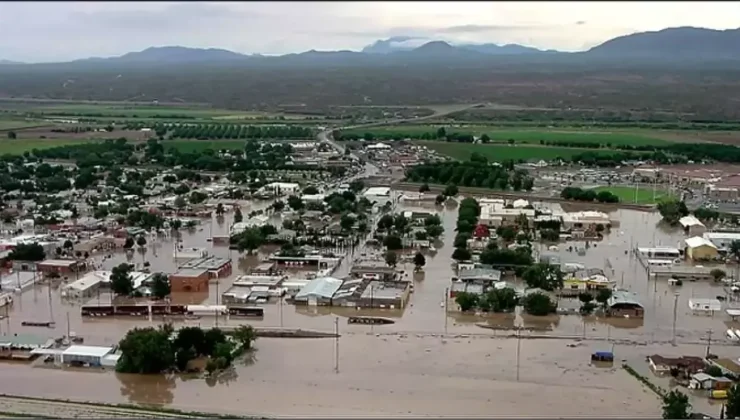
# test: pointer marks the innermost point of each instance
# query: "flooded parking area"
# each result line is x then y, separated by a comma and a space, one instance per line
399, 369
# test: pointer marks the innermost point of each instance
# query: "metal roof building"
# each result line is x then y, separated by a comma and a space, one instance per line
322, 288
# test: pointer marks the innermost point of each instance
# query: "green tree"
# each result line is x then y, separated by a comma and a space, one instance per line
393, 242
129, 243
538, 304
450, 191
238, 215
485, 138
717, 274
440, 199
391, 258
141, 241
676, 406
732, 406
191, 338
466, 301
180, 202
249, 240
27, 252
245, 335
120, 279
295, 202
220, 209
419, 261
434, 231
213, 337
12, 135
500, 300
146, 351
544, 276
507, 233
603, 296
161, 286
424, 188
461, 254
735, 249
347, 222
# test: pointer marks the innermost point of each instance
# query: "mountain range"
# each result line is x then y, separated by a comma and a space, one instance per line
671, 45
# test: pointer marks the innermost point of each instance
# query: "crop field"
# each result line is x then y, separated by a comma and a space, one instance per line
189, 146
499, 152
19, 146
644, 195
137, 111
15, 124
534, 136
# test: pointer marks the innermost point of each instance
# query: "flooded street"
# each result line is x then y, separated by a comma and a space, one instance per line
399, 369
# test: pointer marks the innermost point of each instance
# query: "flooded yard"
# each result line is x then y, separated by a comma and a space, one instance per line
402, 368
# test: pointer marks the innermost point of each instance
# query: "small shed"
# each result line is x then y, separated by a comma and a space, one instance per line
705, 305
90, 355
700, 249
703, 381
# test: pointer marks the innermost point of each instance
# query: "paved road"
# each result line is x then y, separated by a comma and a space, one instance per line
370, 169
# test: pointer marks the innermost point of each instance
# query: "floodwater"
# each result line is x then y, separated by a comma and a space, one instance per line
398, 369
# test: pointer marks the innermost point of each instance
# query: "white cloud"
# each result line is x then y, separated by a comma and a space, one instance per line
34, 31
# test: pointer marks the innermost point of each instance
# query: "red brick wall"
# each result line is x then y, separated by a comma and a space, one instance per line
189, 284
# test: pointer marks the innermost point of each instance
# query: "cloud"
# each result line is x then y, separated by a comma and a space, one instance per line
56, 31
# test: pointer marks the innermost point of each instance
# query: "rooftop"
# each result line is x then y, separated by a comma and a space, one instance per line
384, 290
94, 351
698, 241
190, 272
623, 297
322, 287
206, 263
690, 220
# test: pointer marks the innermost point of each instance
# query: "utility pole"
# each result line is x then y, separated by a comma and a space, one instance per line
709, 341
51, 311
675, 308
336, 350
280, 302
518, 350
447, 293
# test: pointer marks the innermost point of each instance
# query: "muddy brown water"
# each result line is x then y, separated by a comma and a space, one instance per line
393, 369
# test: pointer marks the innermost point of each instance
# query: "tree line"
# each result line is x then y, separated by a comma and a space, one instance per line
589, 195
475, 173
237, 131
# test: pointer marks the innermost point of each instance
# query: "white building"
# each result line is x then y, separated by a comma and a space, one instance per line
378, 146
585, 220
313, 198
494, 213
256, 221
705, 305
282, 188
692, 226
90, 284
722, 240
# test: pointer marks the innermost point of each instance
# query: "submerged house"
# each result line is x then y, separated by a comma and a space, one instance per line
624, 304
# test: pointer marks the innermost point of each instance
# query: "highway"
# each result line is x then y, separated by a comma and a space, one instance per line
370, 169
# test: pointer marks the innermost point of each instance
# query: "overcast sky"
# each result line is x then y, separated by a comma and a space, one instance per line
59, 31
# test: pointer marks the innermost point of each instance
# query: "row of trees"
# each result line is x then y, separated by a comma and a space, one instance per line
122, 282
505, 300
475, 173
159, 350
579, 194
237, 131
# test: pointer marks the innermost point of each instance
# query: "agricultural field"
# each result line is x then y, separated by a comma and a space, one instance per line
499, 153
531, 136
644, 196
19, 146
15, 124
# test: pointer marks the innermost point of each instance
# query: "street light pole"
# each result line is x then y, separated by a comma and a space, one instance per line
518, 350
447, 293
675, 309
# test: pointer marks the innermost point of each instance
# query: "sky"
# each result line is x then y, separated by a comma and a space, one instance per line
61, 31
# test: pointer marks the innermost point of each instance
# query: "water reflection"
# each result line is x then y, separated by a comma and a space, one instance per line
157, 390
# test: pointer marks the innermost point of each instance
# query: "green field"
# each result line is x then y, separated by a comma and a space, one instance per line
15, 124
16, 147
523, 135
499, 153
644, 194
139, 111
201, 145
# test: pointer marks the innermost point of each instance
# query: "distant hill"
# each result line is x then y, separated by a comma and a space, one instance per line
175, 54
401, 43
2, 62
673, 43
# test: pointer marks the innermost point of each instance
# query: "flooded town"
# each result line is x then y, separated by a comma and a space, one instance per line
358, 291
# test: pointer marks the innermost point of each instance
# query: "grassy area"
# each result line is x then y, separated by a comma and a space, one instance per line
12, 124
644, 194
16, 147
201, 145
499, 153
527, 135
138, 110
